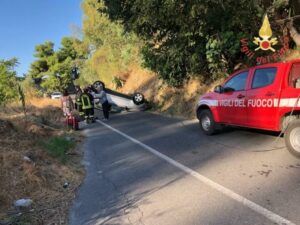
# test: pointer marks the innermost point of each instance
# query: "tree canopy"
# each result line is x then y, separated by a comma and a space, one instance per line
8, 89
111, 49
184, 38
176, 39
54, 68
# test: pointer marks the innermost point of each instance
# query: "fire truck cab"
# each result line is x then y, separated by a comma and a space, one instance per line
262, 97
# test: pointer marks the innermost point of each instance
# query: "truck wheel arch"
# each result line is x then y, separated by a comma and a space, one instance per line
287, 118
206, 107
292, 138
201, 108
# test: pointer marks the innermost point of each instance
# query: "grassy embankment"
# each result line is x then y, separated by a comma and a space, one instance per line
38, 155
163, 98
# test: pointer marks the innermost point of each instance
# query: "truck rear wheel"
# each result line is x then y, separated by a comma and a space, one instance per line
207, 122
292, 138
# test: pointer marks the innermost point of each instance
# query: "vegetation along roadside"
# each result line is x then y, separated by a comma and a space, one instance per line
39, 162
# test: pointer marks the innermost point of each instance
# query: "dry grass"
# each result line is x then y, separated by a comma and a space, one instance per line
172, 101
43, 102
293, 54
42, 179
182, 101
138, 79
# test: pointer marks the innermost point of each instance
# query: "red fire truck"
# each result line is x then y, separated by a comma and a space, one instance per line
264, 97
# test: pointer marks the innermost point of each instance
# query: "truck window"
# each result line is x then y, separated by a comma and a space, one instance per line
238, 82
294, 77
263, 77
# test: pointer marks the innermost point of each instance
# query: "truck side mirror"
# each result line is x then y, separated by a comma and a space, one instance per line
218, 89
228, 89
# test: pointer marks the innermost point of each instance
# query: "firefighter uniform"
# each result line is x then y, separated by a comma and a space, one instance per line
87, 107
78, 103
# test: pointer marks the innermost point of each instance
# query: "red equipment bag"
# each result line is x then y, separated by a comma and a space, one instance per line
72, 122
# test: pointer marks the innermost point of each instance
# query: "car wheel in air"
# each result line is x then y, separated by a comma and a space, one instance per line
292, 138
207, 122
138, 98
98, 83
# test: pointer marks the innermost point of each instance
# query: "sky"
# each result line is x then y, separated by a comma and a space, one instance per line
26, 23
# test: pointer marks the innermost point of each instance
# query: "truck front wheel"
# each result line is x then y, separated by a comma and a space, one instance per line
292, 138
207, 122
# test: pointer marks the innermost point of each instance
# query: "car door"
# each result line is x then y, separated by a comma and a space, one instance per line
263, 98
232, 101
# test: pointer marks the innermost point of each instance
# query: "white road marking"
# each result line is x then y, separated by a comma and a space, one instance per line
244, 201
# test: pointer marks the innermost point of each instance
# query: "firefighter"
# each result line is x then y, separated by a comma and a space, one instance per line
87, 105
78, 102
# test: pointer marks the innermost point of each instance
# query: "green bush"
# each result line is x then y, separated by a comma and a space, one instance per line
58, 147
117, 82
20, 220
8, 90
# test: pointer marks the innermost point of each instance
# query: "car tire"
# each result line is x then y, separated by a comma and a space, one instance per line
138, 98
97, 83
292, 138
207, 122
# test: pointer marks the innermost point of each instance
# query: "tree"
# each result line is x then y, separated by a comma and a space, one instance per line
53, 69
184, 38
111, 49
44, 50
8, 81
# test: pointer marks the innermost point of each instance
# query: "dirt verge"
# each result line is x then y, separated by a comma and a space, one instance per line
28, 169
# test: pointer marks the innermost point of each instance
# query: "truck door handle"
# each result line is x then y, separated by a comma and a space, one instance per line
269, 94
241, 96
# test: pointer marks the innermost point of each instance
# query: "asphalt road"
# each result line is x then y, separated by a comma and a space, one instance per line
145, 168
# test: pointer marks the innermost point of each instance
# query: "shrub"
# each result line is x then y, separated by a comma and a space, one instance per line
58, 147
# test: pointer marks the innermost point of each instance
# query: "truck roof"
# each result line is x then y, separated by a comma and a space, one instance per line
269, 65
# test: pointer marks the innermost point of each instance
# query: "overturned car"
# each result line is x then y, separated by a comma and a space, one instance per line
130, 102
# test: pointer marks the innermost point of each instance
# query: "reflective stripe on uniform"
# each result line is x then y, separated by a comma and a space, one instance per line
86, 102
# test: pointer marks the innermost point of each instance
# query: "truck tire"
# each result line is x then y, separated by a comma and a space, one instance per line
292, 138
207, 122
138, 98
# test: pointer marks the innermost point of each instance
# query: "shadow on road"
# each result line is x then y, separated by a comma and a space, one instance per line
126, 176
